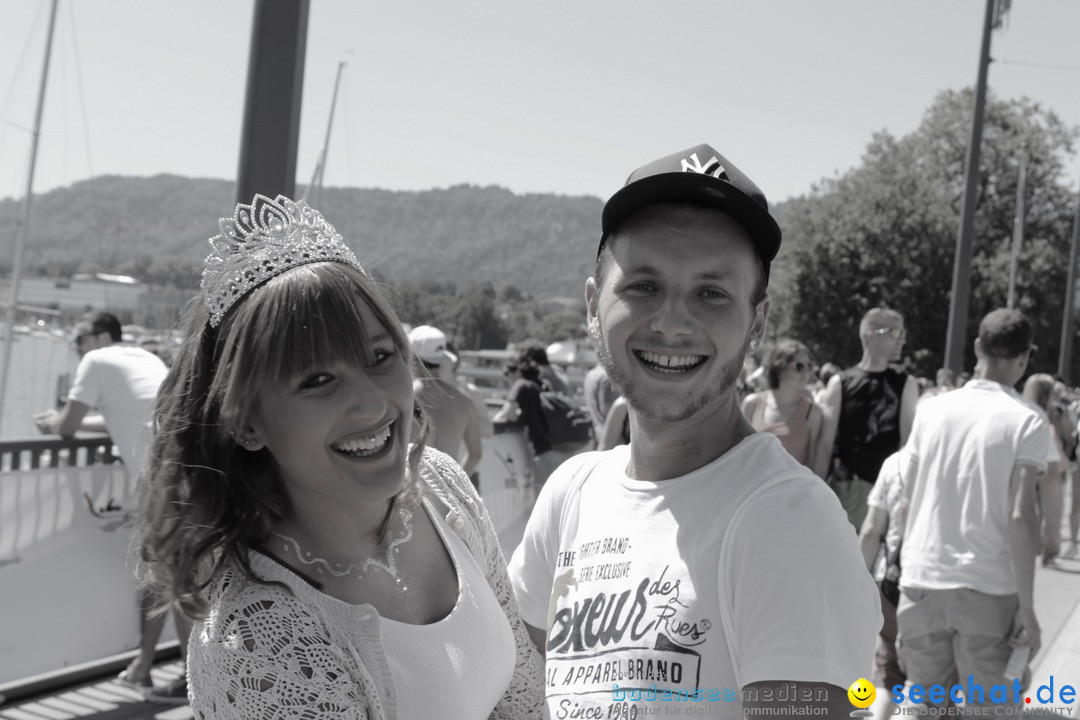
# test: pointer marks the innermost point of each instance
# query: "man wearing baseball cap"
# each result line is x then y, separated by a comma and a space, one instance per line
699, 562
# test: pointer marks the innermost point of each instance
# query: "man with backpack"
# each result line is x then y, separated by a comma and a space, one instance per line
532, 401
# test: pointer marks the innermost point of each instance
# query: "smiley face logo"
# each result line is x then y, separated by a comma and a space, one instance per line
861, 693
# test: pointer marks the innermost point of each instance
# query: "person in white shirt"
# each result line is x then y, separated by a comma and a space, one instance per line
972, 529
701, 561
121, 381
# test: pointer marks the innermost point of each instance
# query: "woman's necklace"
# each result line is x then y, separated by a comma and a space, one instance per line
389, 566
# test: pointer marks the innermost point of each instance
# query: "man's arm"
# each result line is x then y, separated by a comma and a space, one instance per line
749, 403
797, 535
473, 444
1024, 544
508, 412
830, 411
66, 422
871, 534
908, 401
612, 433
815, 422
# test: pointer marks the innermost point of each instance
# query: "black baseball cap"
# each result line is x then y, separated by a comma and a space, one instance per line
702, 176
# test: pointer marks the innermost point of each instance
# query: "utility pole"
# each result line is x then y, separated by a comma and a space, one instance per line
1018, 231
955, 340
1065, 352
275, 85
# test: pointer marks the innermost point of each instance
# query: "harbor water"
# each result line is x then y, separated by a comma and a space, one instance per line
38, 358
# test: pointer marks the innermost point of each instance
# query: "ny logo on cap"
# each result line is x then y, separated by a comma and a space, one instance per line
713, 167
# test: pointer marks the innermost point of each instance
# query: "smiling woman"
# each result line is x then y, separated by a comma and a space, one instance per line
294, 511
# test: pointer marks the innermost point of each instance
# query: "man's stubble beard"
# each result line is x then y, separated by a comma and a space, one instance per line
639, 400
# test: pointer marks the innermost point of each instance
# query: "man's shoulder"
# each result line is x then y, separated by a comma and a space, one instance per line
122, 355
757, 465
1005, 397
979, 400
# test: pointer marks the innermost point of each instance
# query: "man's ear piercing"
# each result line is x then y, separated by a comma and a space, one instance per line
753, 345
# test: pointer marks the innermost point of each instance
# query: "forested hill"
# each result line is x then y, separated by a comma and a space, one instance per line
156, 230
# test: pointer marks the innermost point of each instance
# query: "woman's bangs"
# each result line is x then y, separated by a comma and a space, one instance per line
314, 319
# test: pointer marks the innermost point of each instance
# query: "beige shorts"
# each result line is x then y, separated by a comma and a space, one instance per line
960, 630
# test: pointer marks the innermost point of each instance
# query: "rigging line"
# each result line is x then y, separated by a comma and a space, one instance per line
95, 205
31, 37
82, 91
348, 136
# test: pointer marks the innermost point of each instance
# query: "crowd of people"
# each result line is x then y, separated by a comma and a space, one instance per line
752, 540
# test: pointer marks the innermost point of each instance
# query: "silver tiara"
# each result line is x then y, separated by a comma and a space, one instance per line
262, 240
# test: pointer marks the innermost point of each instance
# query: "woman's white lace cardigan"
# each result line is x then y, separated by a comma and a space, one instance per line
265, 652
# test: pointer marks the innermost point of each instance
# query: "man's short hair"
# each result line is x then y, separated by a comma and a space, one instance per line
103, 322
533, 350
877, 318
1005, 334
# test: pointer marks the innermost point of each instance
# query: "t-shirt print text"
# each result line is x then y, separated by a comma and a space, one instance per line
610, 627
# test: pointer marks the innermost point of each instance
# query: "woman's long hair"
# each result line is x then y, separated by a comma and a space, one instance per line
206, 501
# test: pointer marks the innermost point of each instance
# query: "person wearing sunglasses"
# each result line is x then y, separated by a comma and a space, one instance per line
869, 409
786, 409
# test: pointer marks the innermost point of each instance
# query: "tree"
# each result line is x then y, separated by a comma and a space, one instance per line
884, 233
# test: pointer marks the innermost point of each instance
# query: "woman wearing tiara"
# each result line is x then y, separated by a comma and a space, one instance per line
335, 566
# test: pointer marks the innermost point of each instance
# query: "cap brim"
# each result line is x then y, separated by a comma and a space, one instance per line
701, 190
439, 358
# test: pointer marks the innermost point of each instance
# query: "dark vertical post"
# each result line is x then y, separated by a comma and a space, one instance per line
955, 340
1065, 352
271, 130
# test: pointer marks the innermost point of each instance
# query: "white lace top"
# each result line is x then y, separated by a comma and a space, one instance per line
265, 651
459, 667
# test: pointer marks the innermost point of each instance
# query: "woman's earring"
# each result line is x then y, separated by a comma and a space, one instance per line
244, 442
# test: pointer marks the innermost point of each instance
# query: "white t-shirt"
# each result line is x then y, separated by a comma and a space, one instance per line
741, 571
888, 494
122, 383
965, 445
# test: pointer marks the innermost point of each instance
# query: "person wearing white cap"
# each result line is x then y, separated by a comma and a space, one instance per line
452, 415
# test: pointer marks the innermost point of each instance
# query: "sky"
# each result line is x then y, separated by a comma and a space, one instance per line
545, 97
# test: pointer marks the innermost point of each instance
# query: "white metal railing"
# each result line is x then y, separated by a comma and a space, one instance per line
67, 590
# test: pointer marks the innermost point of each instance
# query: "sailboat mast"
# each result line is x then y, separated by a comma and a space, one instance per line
320, 164
24, 221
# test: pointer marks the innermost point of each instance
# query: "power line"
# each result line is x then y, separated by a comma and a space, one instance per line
1048, 66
